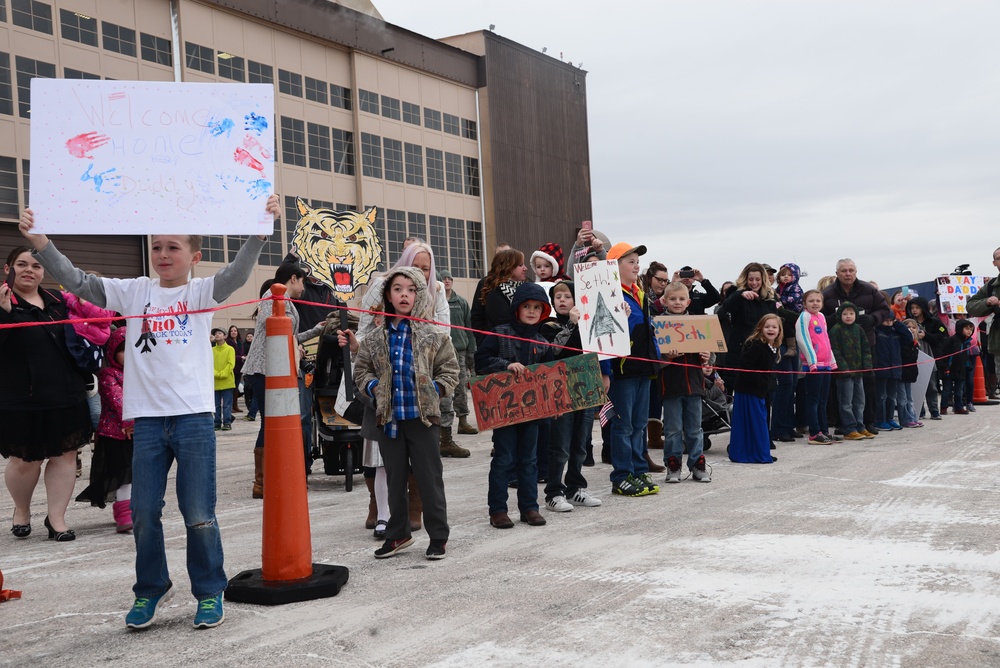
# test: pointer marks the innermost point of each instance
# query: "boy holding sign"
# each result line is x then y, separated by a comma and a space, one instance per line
515, 446
169, 393
682, 387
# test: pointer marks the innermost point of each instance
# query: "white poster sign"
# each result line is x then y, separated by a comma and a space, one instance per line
925, 367
137, 157
603, 321
954, 292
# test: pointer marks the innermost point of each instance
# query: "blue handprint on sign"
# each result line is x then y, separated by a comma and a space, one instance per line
100, 180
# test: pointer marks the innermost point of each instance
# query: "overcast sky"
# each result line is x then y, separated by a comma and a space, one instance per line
723, 132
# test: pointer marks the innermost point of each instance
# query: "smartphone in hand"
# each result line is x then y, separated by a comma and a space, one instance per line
10, 279
587, 225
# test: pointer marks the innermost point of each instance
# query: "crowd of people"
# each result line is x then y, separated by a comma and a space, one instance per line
833, 363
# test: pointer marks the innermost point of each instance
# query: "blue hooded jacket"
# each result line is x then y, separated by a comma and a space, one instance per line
497, 352
790, 294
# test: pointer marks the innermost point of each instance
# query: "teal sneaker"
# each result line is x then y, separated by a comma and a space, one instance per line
144, 610
210, 612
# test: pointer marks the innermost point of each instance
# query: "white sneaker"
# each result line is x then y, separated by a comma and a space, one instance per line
583, 498
559, 504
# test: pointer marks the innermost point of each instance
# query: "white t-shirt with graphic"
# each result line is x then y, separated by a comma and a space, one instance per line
168, 355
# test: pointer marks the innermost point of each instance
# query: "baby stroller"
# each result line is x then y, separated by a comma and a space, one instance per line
716, 414
338, 441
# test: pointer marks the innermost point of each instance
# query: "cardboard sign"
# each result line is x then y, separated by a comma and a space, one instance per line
544, 390
137, 157
689, 333
954, 292
603, 320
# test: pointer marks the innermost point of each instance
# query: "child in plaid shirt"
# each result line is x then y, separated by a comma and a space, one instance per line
405, 367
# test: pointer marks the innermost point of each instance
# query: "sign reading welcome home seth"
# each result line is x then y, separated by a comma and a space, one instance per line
138, 157
689, 333
544, 390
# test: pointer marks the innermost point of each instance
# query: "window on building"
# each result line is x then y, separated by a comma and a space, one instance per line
316, 90
321, 204
155, 49
6, 88
371, 155
259, 73
340, 97
390, 107
26, 180
271, 255
343, 152
77, 27
469, 129
293, 141
474, 237
435, 169
291, 220
77, 74
212, 248
452, 125
232, 67
438, 229
319, 147
432, 119
453, 172
456, 233
393, 151
199, 57
346, 207
411, 113
10, 208
118, 39
417, 225
471, 171
368, 101
3, 10
28, 69
395, 234
32, 15
414, 156
289, 83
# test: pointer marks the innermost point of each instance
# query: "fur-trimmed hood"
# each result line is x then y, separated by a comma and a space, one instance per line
422, 306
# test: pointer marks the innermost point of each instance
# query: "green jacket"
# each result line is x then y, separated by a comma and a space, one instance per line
850, 348
461, 315
977, 307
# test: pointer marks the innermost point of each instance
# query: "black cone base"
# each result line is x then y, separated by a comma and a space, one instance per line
251, 587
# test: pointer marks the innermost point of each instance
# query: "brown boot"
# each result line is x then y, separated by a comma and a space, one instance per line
653, 466
654, 434
416, 505
372, 506
236, 397
449, 448
464, 427
258, 473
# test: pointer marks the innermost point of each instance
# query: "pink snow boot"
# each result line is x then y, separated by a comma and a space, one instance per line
123, 516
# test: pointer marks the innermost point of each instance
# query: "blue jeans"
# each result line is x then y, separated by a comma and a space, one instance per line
567, 445
885, 400
682, 426
158, 441
223, 407
783, 403
851, 398
255, 382
630, 396
514, 451
904, 403
817, 394
954, 393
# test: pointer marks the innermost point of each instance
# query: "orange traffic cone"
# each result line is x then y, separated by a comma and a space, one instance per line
288, 574
979, 396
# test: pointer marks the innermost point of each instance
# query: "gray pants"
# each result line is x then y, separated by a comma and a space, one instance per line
419, 447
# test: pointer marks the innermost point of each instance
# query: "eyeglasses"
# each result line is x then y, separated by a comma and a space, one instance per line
661, 279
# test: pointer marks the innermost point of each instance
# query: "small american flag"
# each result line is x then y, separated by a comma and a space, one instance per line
607, 412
